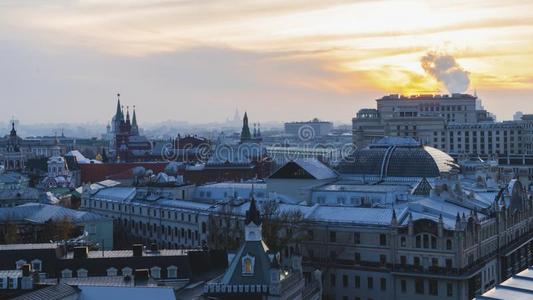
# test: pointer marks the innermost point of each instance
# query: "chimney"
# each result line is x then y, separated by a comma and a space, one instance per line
81, 252
26, 270
137, 250
141, 276
153, 247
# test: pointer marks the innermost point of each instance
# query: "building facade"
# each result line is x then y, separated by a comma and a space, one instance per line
454, 123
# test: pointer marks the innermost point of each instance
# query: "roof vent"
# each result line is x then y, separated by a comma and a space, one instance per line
137, 250
81, 252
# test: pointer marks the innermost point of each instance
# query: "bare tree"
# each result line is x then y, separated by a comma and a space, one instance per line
225, 229
281, 228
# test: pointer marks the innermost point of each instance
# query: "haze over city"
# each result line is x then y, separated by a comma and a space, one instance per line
197, 61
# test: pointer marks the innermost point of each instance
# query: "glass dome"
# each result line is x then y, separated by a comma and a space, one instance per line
398, 157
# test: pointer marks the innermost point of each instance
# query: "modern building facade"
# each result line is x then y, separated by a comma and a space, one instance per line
454, 123
309, 129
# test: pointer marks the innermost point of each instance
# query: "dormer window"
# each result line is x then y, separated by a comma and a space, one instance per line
248, 264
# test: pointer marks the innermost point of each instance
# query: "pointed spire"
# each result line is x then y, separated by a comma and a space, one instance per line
245, 133
134, 118
128, 115
13, 132
259, 129
457, 221
119, 107
394, 220
253, 215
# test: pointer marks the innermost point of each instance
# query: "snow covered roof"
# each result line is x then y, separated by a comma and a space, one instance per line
130, 293
82, 159
312, 166
40, 213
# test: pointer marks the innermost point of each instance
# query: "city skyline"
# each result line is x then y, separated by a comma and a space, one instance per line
190, 61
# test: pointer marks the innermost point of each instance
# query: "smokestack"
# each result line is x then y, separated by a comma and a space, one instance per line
445, 69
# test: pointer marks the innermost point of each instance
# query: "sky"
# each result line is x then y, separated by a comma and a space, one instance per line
199, 60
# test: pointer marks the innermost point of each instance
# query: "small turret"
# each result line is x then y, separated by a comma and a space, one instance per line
394, 220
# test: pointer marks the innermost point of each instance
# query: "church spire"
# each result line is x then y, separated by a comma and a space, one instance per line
128, 115
253, 215
245, 133
13, 132
119, 108
134, 127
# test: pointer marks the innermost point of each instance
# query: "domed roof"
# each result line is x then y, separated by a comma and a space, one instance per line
398, 157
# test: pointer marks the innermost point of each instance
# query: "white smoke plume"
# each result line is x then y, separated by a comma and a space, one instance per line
445, 69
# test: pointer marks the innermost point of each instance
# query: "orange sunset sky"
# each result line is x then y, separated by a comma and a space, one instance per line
198, 61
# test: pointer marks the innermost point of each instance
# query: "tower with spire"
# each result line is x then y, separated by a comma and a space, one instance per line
134, 126
257, 270
246, 134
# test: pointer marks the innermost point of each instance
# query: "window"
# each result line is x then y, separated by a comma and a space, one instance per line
383, 259
383, 284
112, 272
81, 273
248, 263
357, 281
66, 273
345, 280
403, 242
155, 272
36, 265
383, 239
403, 260
19, 263
448, 244
434, 262
433, 287
370, 282
449, 289
357, 258
403, 285
172, 272
356, 238
127, 271
448, 263
333, 236
419, 286
417, 261
332, 280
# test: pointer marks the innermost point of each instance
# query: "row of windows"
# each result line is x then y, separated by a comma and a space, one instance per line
148, 211
155, 272
420, 286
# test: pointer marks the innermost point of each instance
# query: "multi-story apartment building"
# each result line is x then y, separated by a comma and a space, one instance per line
454, 124
309, 129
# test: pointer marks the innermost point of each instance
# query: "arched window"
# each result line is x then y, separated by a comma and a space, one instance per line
403, 242
112, 272
248, 262
37, 265
67, 273
172, 272
82, 273
19, 263
127, 271
155, 272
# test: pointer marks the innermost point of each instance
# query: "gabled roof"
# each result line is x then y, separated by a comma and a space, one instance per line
55, 292
261, 275
305, 168
40, 213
